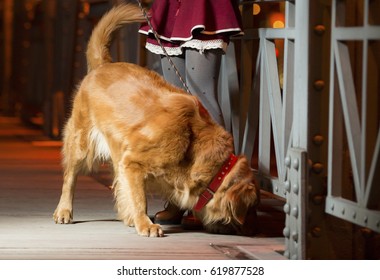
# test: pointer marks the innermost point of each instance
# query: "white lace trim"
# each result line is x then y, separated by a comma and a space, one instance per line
158, 50
192, 44
205, 45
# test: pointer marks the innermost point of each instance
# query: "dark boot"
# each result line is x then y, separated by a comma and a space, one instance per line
190, 222
171, 215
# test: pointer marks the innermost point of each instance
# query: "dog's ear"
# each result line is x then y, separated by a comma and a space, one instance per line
240, 198
202, 111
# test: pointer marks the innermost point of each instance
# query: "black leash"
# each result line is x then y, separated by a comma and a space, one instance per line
163, 48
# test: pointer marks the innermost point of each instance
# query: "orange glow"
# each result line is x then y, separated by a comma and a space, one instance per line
278, 24
277, 52
86, 8
256, 9
277, 20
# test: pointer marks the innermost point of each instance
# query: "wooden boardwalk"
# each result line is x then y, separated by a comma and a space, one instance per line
30, 184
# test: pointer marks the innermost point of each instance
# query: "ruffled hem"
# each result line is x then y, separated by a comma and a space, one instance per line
199, 45
234, 32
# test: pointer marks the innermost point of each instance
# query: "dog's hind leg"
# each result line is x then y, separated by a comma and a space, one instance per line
131, 201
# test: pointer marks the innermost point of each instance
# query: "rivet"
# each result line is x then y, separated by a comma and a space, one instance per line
26, 44
365, 219
23, 80
316, 231
27, 25
276, 189
318, 199
366, 232
219, 178
295, 211
319, 29
287, 161
318, 139
295, 235
354, 215
309, 188
295, 188
25, 62
287, 186
223, 173
332, 207
286, 232
286, 254
317, 167
343, 211
319, 85
286, 208
296, 163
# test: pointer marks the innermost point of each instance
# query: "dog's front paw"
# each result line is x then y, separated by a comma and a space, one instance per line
152, 230
63, 216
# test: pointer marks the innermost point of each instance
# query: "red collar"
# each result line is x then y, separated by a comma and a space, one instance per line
208, 193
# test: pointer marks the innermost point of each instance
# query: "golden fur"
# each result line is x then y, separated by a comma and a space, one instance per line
152, 133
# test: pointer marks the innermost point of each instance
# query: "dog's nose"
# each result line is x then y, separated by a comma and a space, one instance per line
250, 225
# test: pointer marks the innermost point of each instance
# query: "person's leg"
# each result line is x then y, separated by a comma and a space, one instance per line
169, 72
172, 214
202, 74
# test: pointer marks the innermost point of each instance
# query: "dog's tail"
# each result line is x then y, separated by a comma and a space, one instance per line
98, 46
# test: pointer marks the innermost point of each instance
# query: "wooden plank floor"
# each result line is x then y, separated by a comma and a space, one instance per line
30, 183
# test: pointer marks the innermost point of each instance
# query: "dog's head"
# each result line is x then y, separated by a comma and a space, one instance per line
232, 208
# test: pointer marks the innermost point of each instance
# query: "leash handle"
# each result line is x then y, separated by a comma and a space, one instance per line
163, 48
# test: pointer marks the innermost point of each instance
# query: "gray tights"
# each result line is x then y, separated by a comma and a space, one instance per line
201, 73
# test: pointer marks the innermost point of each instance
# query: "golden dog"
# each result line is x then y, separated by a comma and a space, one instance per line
152, 133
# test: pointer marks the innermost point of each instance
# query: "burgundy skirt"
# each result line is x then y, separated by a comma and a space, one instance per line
197, 24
